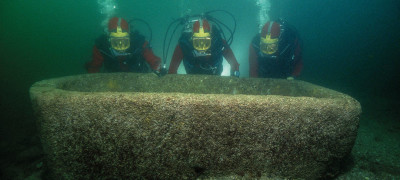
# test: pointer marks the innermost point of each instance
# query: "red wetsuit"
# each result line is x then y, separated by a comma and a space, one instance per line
178, 56
133, 61
254, 60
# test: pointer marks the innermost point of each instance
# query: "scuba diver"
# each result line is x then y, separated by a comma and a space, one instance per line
121, 50
276, 52
202, 47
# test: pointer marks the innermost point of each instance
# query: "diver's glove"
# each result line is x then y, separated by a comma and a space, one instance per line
235, 73
290, 78
162, 72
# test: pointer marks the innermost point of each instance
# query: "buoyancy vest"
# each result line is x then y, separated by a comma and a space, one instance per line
281, 63
130, 61
210, 64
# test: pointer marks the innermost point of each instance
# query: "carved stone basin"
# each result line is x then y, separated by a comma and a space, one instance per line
131, 126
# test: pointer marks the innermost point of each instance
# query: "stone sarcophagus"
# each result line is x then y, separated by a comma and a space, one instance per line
140, 126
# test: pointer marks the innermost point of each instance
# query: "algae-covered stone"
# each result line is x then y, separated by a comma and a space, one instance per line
128, 126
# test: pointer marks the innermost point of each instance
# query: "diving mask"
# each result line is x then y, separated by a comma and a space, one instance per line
120, 43
268, 45
201, 43
119, 40
201, 39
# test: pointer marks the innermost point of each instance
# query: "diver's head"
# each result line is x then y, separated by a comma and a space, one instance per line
118, 30
201, 37
269, 38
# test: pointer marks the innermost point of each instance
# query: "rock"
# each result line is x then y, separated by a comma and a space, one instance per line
127, 126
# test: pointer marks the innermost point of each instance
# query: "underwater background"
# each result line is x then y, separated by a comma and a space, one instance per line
349, 46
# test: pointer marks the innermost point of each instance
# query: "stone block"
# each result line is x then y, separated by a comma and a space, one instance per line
140, 126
